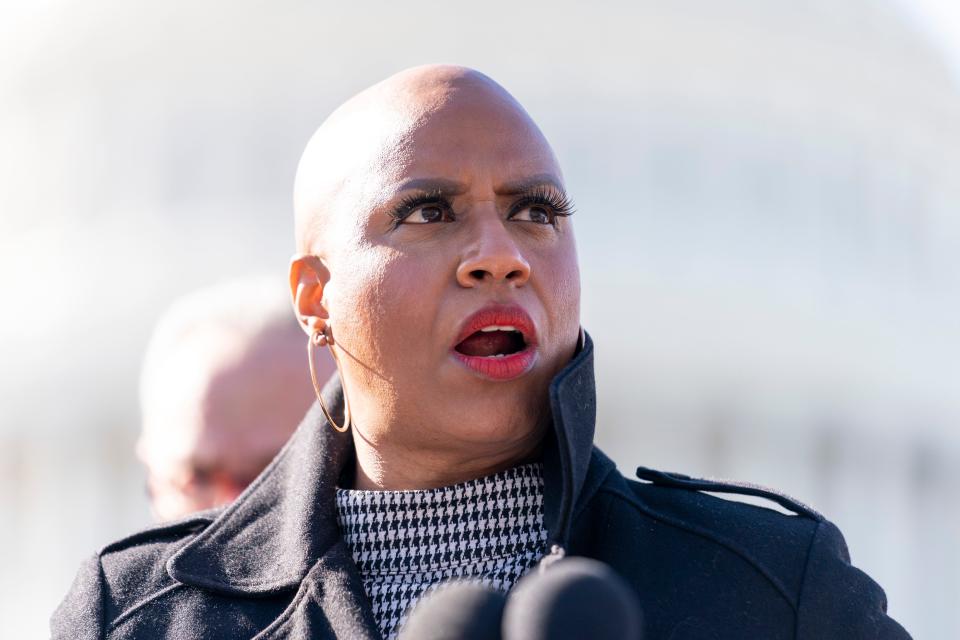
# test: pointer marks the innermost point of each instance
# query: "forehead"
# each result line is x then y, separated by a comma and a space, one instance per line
482, 144
476, 146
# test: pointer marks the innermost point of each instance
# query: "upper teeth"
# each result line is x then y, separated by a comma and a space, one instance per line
494, 327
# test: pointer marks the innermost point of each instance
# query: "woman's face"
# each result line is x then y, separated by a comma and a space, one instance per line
453, 287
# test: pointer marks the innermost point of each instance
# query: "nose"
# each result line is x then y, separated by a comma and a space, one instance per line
494, 257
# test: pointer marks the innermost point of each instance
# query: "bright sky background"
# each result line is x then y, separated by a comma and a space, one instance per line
942, 19
20, 19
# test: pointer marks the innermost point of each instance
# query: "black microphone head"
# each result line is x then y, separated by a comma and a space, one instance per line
574, 598
457, 610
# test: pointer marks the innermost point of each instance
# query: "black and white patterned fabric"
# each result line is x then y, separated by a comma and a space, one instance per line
408, 542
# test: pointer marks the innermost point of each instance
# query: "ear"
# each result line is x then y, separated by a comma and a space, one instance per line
308, 276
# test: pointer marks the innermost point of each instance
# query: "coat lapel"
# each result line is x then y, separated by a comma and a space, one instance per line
330, 603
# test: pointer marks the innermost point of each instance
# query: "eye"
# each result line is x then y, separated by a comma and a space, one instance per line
542, 205
423, 208
534, 213
425, 214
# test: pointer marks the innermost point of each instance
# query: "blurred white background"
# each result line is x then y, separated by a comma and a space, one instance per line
767, 193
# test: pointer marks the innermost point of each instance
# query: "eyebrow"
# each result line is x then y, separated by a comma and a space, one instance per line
454, 188
441, 185
525, 185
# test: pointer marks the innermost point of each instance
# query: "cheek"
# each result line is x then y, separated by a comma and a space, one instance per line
353, 301
560, 278
386, 303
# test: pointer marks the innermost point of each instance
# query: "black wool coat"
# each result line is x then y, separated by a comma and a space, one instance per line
273, 563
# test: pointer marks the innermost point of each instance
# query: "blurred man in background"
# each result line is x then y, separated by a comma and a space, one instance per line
223, 386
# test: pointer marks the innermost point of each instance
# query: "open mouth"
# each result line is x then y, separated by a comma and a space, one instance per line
494, 341
498, 342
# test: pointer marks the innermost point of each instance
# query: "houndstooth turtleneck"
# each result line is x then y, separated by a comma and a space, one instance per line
406, 542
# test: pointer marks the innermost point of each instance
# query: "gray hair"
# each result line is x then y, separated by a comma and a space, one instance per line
251, 307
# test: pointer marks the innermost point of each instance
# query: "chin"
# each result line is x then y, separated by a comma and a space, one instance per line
500, 418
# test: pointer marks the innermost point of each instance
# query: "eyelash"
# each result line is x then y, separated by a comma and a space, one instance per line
558, 203
411, 203
555, 201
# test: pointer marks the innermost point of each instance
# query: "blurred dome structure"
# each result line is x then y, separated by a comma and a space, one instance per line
767, 191
793, 268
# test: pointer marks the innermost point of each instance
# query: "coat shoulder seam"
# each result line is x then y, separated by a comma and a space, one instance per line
803, 580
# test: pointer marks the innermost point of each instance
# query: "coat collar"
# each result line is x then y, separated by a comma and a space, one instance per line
286, 520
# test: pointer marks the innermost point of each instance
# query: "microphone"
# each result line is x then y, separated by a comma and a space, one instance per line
575, 598
458, 610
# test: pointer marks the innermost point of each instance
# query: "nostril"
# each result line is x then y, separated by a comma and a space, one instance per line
478, 274
513, 275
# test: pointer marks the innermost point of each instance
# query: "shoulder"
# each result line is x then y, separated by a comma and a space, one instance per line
124, 575
774, 558
663, 479
683, 517
738, 513
755, 518
778, 540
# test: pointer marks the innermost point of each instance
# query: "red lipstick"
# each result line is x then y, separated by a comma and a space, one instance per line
497, 342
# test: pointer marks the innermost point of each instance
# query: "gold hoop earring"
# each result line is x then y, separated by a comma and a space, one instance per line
320, 338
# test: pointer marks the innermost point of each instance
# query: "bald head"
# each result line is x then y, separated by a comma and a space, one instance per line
372, 140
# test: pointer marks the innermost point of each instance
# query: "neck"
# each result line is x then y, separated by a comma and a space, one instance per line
385, 467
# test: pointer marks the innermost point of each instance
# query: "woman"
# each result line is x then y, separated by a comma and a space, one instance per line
437, 262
